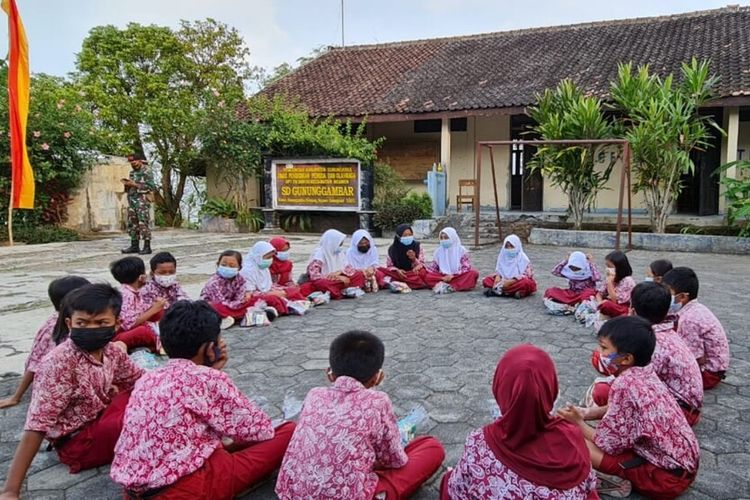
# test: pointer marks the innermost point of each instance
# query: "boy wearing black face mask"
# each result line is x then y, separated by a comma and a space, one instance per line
80, 390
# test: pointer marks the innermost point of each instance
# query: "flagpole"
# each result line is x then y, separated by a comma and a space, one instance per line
10, 211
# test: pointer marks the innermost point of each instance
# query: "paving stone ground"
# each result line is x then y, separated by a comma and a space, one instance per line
441, 351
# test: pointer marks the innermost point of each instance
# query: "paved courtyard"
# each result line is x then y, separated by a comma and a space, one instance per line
441, 351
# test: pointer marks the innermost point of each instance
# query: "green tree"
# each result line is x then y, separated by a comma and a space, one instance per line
63, 142
565, 113
663, 126
155, 87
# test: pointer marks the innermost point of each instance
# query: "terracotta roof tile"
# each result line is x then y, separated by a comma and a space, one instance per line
508, 68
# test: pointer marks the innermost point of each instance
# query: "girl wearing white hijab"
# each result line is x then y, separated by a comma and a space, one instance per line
451, 264
363, 256
582, 276
514, 276
258, 280
328, 269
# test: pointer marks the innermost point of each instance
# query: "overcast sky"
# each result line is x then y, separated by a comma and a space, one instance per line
283, 30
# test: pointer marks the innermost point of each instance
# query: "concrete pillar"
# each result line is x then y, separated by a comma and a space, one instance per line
445, 153
729, 144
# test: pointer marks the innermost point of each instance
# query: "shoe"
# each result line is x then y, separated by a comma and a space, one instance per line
146, 248
517, 295
227, 322
272, 313
613, 486
133, 248
488, 292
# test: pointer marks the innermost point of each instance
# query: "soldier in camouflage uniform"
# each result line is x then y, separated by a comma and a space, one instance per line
139, 184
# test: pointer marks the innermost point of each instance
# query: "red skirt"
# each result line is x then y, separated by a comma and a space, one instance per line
569, 297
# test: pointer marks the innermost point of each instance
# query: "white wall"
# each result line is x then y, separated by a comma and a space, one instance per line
100, 204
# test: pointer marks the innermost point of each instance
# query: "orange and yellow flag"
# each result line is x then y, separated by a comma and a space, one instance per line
18, 100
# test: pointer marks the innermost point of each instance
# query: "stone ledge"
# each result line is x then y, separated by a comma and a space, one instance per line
642, 241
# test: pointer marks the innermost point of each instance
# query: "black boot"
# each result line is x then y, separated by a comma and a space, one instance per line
133, 248
146, 247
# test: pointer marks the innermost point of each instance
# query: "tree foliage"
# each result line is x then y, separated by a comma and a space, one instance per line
663, 127
63, 141
566, 113
738, 195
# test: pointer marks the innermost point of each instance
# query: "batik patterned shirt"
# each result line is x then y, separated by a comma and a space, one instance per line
71, 388
153, 290
133, 306
704, 335
231, 292
315, 270
343, 432
43, 343
623, 290
579, 285
643, 416
676, 367
464, 265
479, 474
175, 420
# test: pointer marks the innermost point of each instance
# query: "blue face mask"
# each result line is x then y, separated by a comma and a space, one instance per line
227, 272
282, 256
265, 263
407, 240
675, 306
446, 243
648, 279
512, 253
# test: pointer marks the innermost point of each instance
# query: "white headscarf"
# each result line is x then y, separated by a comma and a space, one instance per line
449, 259
359, 260
257, 278
326, 252
579, 260
511, 267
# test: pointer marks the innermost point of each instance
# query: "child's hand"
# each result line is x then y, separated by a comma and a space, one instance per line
571, 413
417, 267
159, 303
248, 296
220, 362
344, 280
278, 293
411, 254
498, 279
9, 402
447, 278
589, 257
9, 496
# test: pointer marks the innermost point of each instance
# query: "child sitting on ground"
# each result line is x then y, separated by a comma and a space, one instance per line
226, 289
613, 295
328, 269
527, 449
44, 341
258, 281
672, 360
657, 269
137, 318
347, 442
163, 283
363, 256
282, 267
405, 260
698, 327
514, 276
171, 444
450, 268
582, 276
81, 390
644, 437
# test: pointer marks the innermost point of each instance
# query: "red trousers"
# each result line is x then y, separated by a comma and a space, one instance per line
568, 297
613, 309
415, 279
226, 312
425, 456
460, 282
225, 475
293, 293
273, 301
333, 287
524, 286
647, 479
140, 336
94, 444
711, 379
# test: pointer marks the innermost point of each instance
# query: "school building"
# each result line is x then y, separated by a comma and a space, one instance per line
432, 100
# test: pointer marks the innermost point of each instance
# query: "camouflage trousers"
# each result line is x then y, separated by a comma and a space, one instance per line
139, 221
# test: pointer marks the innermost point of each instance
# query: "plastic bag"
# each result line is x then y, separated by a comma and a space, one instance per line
494, 409
291, 406
398, 287
407, 426
147, 360
442, 288
557, 309
352, 292
319, 298
299, 307
256, 316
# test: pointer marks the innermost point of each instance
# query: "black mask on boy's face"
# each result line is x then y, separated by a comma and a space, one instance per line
363, 249
91, 339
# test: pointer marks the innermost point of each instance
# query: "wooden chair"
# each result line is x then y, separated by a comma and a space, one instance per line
469, 198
